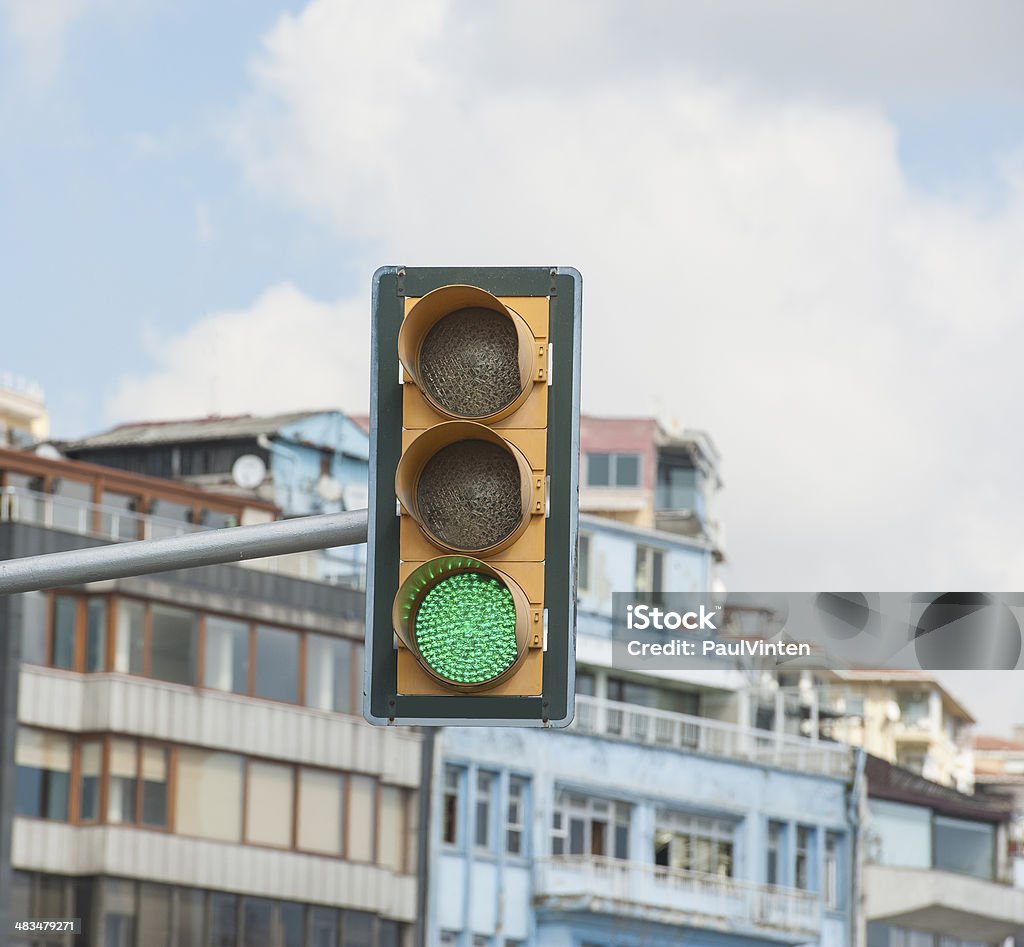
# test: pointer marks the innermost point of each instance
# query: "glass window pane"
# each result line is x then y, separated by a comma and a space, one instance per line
209, 795
131, 625
320, 807
65, 611
293, 924
227, 655
223, 920
360, 822
173, 652
96, 634
118, 519
191, 915
42, 774
389, 934
119, 913
154, 785
269, 815
256, 922
277, 664
598, 470
329, 673
391, 834
627, 470
89, 799
154, 915
123, 776
323, 927
70, 505
357, 929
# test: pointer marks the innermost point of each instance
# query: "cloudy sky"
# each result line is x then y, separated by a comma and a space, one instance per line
799, 225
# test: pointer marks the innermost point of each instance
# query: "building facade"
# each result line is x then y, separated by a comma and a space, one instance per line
183, 760
660, 817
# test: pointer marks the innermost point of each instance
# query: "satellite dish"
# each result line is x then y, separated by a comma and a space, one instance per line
328, 489
49, 452
248, 471
892, 711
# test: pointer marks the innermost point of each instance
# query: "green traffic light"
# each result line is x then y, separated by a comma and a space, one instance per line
465, 628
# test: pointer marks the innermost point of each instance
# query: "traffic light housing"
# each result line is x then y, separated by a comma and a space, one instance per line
474, 442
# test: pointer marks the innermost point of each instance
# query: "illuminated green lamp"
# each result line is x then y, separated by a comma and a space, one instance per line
466, 623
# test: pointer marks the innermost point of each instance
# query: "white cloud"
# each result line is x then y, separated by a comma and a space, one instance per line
755, 262
41, 29
284, 352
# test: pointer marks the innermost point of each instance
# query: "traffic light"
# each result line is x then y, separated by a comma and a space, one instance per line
473, 496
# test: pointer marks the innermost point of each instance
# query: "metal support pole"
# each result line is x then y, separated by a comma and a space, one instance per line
231, 544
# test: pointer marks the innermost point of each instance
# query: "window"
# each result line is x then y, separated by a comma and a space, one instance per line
42, 774
257, 918
323, 927
329, 673
118, 519
391, 828
173, 648
650, 568
453, 781
223, 920
965, 847
121, 795
803, 875
131, 637
95, 634
65, 621
269, 804
389, 934
485, 785
90, 762
833, 871
191, 918
277, 664
137, 789
154, 915
694, 843
361, 815
69, 504
357, 929
320, 811
118, 913
613, 470
226, 663
775, 860
209, 796
515, 819
586, 826
913, 709
583, 563
293, 924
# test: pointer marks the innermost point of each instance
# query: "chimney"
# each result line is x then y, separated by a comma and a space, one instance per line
1018, 733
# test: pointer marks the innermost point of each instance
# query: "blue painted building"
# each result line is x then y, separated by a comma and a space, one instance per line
305, 462
660, 817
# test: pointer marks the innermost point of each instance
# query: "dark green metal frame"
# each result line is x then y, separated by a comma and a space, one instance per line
555, 706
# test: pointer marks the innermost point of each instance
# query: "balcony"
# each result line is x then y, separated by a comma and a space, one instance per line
588, 883
87, 519
662, 728
943, 903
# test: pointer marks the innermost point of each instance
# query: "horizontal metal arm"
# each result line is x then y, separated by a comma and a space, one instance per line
231, 544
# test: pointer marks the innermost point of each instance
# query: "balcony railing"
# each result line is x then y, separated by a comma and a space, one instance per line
662, 728
53, 511
675, 896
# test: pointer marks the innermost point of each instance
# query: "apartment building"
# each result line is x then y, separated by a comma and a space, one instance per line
23, 417
182, 760
905, 717
660, 817
937, 869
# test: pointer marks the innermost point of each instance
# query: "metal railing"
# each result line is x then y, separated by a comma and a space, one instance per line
663, 728
53, 511
609, 885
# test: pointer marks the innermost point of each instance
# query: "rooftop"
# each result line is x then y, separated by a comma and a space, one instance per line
215, 427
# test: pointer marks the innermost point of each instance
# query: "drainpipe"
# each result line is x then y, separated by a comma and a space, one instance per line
853, 808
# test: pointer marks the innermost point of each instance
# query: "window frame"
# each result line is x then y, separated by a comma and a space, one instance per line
613, 470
